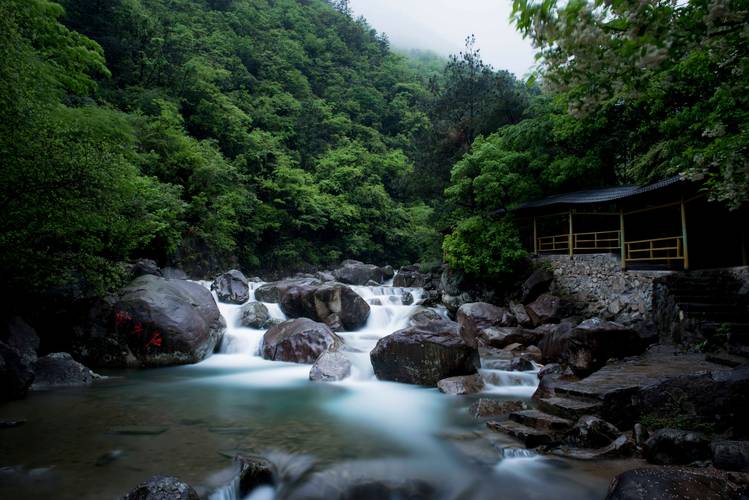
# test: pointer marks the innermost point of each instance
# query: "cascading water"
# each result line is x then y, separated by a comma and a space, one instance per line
190, 421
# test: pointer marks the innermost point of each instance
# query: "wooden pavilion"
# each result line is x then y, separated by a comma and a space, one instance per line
669, 225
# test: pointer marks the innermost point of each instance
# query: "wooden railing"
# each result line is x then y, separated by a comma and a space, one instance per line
556, 243
600, 240
671, 248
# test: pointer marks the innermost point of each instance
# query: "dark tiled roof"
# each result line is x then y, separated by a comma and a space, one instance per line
603, 195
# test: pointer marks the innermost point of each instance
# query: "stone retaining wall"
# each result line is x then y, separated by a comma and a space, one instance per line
596, 286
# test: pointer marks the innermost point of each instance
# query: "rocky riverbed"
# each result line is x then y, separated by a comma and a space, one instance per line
355, 383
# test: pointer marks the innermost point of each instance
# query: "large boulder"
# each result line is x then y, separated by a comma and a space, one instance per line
536, 284
354, 272
298, 340
168, 322
16, 333
676, 447
232, 287
424, 354
272, 292
545, 309
331, 366
554, 345
97, 341
410, 277
717, 398
255, 315
671, 483
475, 317
595, 341
424, 316
16, 373
162, 488
59, 369
341, 301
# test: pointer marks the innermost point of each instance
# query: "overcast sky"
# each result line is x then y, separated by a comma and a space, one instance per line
442, 26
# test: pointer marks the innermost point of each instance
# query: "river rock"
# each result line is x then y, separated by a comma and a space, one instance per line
671, 483
537, 283
168, 322
18, 334
272, 292
424, 316
232, 287
476, 317
59, 369
97, 341
592, 432
595, 341
387, 272
461, 385
255, 315
545, 309
336, 299
520, 314
487, 408
331, 366
145, 266
554, 345
324, 276
520, 364
731, 455
501, 337
298, 340
676, 447
298, 301
354, 272
550, 376
424, 354
253, 472
410, 277
163, 488
16, 373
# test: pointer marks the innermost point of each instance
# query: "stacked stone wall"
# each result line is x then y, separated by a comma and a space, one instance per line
596, 286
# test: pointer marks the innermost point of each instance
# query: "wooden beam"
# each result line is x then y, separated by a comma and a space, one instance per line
684, 234
621, 240
535, 237
569, 238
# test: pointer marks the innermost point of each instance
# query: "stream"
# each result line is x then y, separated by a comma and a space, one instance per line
99, 442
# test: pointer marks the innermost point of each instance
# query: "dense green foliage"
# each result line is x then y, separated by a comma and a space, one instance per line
204, 133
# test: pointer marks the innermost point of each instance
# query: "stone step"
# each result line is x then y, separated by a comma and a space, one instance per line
719, 326
569, 408
690, 307
726, 359
541, 421
529, 436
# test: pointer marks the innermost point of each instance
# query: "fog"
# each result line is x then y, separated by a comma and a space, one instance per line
442, 26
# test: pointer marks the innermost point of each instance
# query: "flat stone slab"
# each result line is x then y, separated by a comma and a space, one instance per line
631, 374
530, 437
138, 430
541, 421
569, 408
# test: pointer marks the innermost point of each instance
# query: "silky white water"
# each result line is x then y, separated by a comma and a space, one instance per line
190, 421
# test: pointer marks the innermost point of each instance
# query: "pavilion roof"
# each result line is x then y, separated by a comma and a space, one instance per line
601, 195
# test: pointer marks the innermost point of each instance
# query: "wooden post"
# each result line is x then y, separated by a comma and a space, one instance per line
569, 237
621, 239
684, 234
535, 237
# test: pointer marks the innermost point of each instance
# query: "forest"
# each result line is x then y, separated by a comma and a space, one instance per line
287, 135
